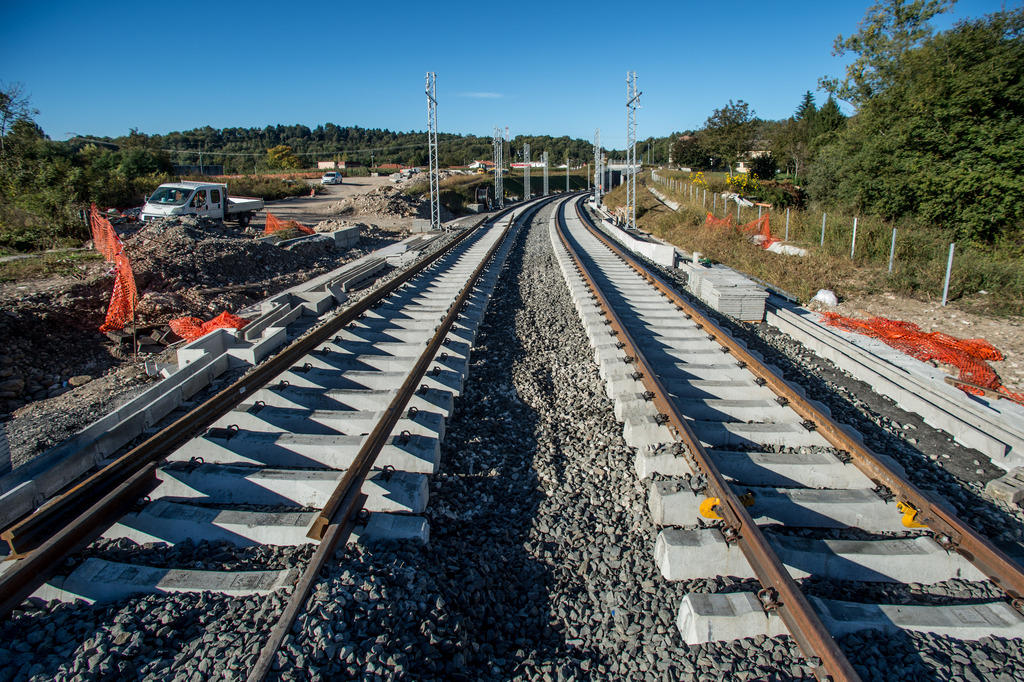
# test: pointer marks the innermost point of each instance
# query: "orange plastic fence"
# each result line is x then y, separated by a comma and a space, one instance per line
967, 355
191, 328
275, 224
761, 226
125, 297
104, 238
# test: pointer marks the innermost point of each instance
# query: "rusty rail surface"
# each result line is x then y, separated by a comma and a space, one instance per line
921, 509
334, 524
780, 593
58, 527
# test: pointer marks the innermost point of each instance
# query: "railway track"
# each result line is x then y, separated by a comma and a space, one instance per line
336, 437
750, 479
555, 549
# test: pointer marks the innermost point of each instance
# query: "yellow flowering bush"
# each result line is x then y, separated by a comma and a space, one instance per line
699, 179
743, 183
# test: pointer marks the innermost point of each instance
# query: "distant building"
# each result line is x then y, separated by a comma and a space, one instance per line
327, 165
532, 164
487, 165
742, 167
349, 164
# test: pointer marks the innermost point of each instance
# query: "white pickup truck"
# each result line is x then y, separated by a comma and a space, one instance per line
209, 199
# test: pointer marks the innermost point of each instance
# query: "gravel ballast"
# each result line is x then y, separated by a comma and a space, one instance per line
540, 564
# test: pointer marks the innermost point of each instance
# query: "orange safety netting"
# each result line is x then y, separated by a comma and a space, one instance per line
125, 297
760, 226
104, 238
275, 224
191, 328
967, 355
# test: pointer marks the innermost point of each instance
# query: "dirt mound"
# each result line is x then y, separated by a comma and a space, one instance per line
386, 201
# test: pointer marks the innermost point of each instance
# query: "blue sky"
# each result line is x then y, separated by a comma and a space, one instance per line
100, 68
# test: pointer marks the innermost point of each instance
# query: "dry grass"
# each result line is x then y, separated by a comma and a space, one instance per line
920, 261
801, 277
59, 264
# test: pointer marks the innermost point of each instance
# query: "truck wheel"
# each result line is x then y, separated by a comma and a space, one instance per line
243, 220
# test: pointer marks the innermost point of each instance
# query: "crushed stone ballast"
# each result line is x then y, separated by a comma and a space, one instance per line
826, 517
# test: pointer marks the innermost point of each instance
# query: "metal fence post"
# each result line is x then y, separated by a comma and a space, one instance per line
787, 223
823, 228
949, 270
853, 242
737, 209
892, 249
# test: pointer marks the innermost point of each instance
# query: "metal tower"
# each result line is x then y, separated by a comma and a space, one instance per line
544, 158
526, 171
435, 201
598, 175
499, 173
566, 172
632, 104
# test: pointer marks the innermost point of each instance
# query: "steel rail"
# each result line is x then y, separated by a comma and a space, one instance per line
789, 601
335, 522
56, 529
921, 510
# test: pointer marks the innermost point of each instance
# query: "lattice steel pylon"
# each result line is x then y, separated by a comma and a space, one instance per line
598, 175
526, 171
435, 202
544, 158
499, 174
632, 104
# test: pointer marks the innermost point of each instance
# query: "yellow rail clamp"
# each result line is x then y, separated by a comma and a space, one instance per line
707, 508
909, 515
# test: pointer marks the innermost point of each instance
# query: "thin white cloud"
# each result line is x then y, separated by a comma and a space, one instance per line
482, 95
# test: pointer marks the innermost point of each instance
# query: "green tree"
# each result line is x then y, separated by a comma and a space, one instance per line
888, 30
14, 106
282, 156
729, 132
827, 119
807, 109
688, 152
944, 142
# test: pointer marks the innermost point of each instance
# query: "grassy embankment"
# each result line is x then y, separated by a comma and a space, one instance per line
919, 265
56, 264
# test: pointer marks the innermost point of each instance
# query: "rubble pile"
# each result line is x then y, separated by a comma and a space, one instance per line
388, 201
183, 266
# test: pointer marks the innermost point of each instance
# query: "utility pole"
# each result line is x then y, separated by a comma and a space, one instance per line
544, 158
567, 173
435, 200
598, 174
632, 104
526, 171
499, 180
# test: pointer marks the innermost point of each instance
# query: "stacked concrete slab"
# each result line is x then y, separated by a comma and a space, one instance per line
726, 291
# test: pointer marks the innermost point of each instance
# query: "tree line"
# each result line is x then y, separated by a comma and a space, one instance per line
936, 137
